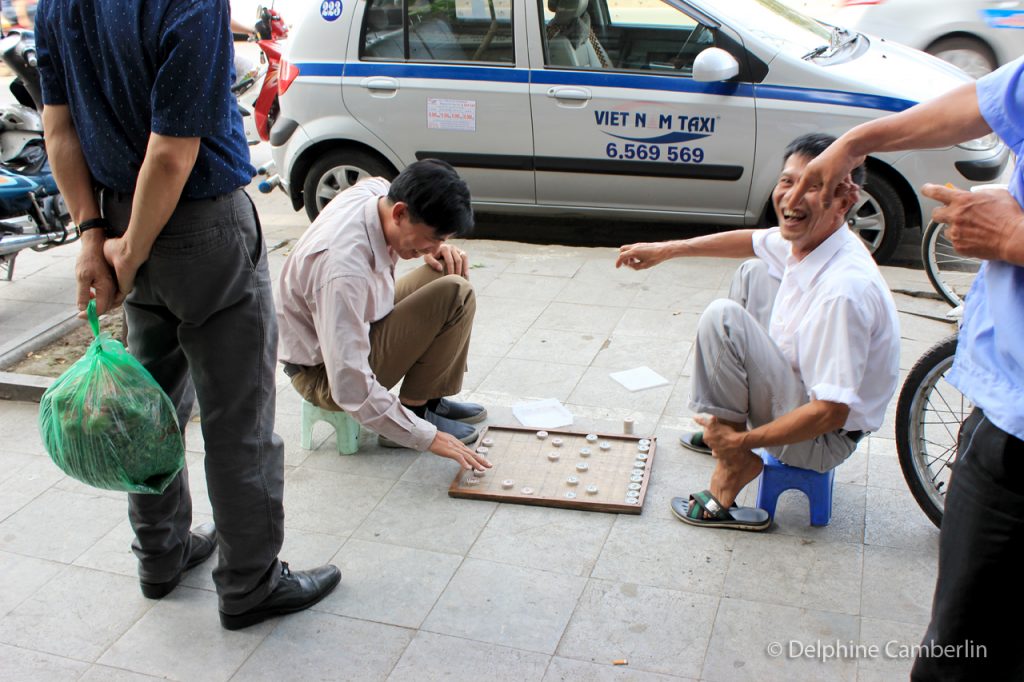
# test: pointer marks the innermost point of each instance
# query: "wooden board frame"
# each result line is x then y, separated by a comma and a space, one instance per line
582, 502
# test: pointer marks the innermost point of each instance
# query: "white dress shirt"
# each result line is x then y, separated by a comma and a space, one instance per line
835, 321
339, 279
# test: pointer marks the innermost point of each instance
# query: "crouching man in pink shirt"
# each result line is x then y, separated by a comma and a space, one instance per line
349, 332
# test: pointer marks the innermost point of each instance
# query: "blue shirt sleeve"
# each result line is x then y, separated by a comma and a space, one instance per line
51, 71
1001, 102
191, 94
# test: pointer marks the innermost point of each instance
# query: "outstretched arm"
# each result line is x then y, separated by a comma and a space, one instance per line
731, 244
946, 120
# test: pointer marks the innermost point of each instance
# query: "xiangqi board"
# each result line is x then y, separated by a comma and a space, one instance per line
573, 470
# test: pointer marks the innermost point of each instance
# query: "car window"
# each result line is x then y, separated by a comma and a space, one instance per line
624, 35
438, 30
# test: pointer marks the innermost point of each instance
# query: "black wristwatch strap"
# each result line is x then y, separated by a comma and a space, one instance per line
93, 224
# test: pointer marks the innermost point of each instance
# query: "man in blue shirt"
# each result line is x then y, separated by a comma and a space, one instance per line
147, 146
983, 521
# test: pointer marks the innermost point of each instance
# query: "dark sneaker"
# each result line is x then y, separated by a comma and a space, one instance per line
294, 592
694, 440
464, 432
201, 546
469, 413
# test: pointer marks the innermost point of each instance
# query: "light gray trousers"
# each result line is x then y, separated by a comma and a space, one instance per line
201, 320
740, 375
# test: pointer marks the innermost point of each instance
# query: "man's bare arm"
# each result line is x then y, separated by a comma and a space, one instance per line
92, 273
731, 244
946, 120
165, 169
804, 423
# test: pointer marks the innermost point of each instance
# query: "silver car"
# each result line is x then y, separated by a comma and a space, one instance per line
976, 35
675, 111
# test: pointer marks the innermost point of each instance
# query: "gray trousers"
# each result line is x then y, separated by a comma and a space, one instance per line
741, 376
201, 320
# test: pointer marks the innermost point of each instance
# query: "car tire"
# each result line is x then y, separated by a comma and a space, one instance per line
878, 217
970, 54
335, 172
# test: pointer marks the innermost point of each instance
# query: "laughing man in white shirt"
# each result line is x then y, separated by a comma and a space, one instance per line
801, 359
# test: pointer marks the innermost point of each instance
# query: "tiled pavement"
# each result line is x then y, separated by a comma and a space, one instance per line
438, 588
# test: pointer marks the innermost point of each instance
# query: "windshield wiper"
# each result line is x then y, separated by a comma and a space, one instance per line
817, 52
836, 39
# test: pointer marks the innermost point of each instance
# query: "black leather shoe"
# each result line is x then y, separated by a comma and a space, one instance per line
294, 592
204, 541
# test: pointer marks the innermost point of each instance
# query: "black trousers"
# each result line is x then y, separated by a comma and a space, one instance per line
201, 320
980, 589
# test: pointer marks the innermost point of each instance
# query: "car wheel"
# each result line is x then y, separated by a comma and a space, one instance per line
973, 56
878, 217
335, 172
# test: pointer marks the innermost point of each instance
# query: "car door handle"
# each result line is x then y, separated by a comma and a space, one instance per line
572, 94
380, 84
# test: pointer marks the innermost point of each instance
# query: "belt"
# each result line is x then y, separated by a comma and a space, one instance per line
855, 436
291, 370
115, 197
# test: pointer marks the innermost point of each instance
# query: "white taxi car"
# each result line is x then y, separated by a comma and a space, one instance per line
676, 110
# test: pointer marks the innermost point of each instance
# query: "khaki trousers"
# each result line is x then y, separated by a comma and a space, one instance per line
424, 340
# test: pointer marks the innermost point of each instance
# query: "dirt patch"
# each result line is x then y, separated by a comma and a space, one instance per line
54, 359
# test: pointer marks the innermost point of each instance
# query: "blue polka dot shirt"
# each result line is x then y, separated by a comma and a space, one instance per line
127, 68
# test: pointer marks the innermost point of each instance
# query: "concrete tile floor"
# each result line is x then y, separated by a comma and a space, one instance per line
438, 588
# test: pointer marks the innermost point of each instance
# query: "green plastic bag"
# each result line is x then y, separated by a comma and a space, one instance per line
107, 423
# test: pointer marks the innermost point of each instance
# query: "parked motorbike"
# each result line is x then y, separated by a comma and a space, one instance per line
260, 78
32, 213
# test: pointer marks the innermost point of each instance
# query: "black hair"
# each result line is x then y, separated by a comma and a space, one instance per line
812, 145
436, 196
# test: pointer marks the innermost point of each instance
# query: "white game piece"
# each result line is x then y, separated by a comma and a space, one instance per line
553, 456
591, 437
507, 483
471, 481
557, 442
572, 480
632, 493
482, 450
632, 500
638, 472
582, 466
527, 491
584, 452
636, 479
488, 441
634, 486
605, 445
644, 441
643, 448
639, 464
570, 495
591, 489
641, 456
542, 434
479, 473
627, 426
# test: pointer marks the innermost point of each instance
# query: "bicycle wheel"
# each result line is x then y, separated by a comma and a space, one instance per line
928, 418
950, 273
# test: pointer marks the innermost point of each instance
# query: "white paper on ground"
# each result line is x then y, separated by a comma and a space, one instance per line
542, 414
639, 378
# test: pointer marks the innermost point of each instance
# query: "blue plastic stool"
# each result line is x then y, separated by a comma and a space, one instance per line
346, 428
778, 478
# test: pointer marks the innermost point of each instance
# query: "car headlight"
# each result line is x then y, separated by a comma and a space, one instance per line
980, 144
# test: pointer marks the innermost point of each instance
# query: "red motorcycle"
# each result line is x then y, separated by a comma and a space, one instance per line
269, 32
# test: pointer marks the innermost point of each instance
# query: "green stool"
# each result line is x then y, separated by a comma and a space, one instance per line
346, 429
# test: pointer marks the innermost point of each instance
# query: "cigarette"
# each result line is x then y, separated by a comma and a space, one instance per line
620, 661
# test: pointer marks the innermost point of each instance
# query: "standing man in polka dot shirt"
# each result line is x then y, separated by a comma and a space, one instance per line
147, 146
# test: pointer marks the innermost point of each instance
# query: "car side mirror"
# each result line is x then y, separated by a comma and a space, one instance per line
715, 64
